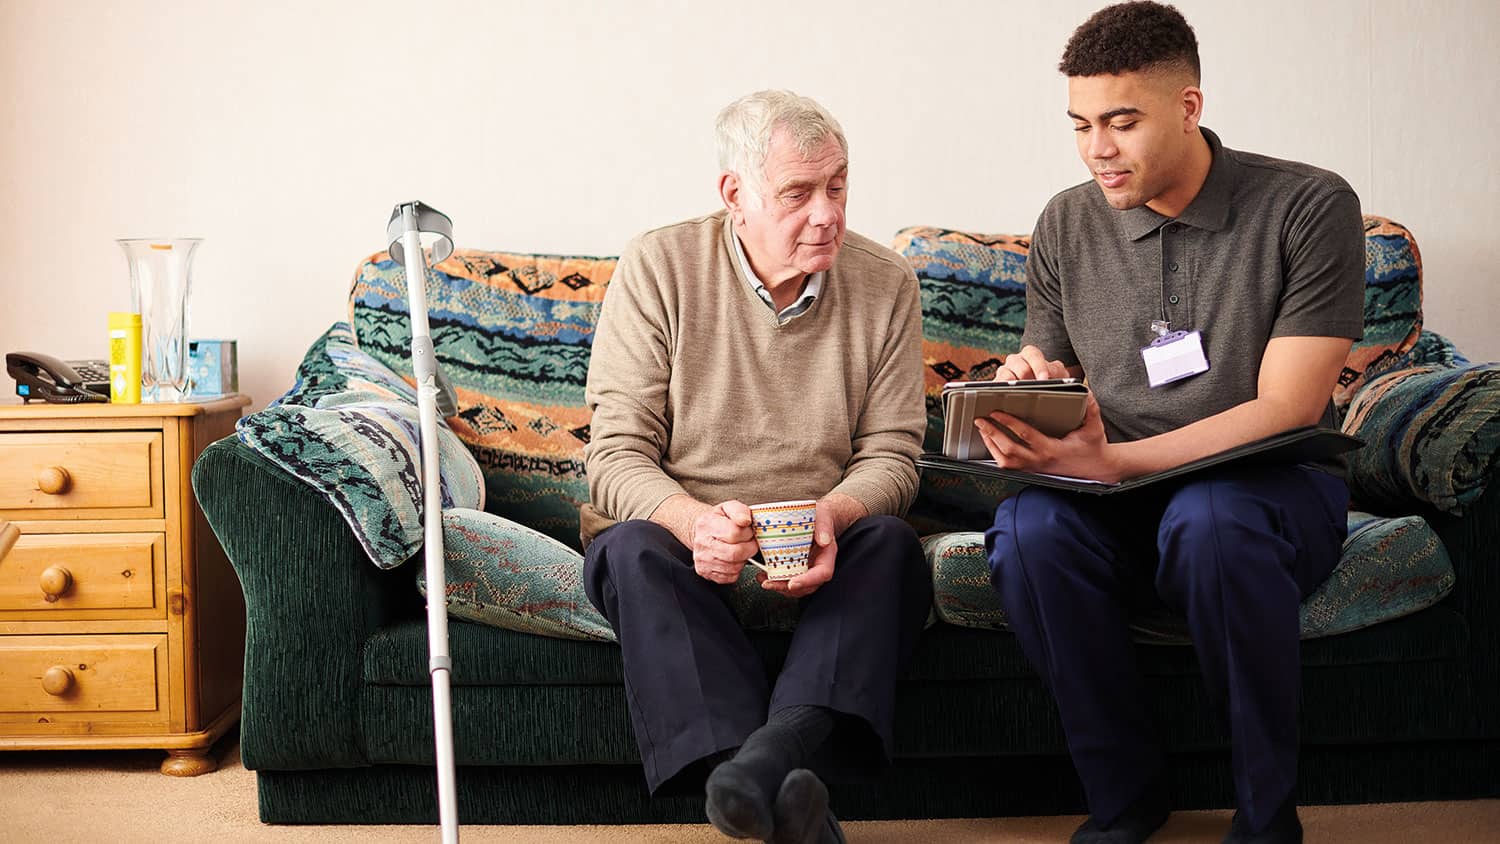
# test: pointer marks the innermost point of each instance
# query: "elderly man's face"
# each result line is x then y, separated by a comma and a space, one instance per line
797, 227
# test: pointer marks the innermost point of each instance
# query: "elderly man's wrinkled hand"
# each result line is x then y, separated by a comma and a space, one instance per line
722, 542
820, 560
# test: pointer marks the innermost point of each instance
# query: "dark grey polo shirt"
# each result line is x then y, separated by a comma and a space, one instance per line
1268, 248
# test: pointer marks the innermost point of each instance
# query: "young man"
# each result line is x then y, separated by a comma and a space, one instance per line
756, 354
1261, 262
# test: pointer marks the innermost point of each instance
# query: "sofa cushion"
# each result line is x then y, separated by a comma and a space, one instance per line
512, 333
318, 374
1389, 568
1431, 349
949, 502
973, 306
1393, 304
507, 575
349, 428
1433, 434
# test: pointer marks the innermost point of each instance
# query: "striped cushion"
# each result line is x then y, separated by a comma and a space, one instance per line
973, 306
507, 575
1431, 349
512, 332
349, 428
1389, 568
1433, 434
1393, 304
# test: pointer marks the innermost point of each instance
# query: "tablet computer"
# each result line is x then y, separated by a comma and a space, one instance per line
1053, 406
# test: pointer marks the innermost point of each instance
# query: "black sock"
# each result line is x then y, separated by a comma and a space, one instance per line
742, 791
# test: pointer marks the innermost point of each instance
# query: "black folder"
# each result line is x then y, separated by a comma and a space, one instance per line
1299, 445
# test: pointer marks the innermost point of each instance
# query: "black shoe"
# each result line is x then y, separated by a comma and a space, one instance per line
802, 815
1284, 828
1133, 826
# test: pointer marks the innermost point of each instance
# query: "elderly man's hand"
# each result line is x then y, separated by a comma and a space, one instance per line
722, 541
827, 524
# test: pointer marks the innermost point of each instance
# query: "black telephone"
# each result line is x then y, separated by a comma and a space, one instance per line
44, 377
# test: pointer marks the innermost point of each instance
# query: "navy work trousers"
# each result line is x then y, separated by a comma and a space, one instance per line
695, 685
1234, 550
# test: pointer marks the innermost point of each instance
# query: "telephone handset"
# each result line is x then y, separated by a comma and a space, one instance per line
44, 377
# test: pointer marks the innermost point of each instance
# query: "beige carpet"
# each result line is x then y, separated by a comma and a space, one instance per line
60, 797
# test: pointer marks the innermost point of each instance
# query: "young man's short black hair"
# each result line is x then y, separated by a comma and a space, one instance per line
1128, 37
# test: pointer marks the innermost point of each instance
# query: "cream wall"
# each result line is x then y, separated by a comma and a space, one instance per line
281, 133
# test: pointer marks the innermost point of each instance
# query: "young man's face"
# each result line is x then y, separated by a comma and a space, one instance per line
1134, 133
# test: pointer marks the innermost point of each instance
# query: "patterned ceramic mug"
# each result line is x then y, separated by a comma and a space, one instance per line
784, 531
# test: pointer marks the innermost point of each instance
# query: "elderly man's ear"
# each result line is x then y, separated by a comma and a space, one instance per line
730, 192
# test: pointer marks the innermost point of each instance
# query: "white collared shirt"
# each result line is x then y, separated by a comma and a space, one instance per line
810, 291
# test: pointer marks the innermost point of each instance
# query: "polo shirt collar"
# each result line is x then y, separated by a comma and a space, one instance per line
1209, 210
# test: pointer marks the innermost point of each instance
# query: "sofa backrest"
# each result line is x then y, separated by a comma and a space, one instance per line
513, 332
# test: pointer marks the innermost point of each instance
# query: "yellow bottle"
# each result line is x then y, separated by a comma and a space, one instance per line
125, 358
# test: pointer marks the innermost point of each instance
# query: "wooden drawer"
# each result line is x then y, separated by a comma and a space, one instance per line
82, 576
76, 683
72, 475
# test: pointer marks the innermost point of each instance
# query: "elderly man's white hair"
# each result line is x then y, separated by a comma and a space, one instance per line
745, 126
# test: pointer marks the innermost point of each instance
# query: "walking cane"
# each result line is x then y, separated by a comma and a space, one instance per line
409, 221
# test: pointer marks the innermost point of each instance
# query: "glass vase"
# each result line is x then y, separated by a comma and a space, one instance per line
161, 276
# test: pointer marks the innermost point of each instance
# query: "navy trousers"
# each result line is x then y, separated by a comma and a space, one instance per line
1234, 550
694, 684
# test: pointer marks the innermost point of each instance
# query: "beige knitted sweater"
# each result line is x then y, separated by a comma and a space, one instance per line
696, 388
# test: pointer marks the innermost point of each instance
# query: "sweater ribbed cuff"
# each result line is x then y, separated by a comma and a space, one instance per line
877, 499
644, 499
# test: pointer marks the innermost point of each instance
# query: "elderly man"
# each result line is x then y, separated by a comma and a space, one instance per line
756, 354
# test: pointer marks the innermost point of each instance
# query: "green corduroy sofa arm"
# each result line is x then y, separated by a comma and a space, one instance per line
312, 597
1473, 543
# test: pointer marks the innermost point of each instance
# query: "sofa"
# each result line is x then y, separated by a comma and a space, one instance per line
313, 502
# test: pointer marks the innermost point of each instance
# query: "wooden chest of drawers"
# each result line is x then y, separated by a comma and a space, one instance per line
121, 622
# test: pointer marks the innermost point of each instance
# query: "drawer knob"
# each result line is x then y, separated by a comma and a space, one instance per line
57, 681
55, 582
53, 480
9, 534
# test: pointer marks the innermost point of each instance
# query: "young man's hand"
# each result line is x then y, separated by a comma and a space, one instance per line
1083, 453
1030, 364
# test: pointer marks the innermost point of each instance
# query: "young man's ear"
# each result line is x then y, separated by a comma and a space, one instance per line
1192, 108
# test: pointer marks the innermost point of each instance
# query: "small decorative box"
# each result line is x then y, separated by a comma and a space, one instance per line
213, 367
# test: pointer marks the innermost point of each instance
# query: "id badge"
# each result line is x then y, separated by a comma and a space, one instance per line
1173, 357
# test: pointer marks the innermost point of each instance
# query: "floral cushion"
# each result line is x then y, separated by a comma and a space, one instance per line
1433, 435
1389, 568
349, 428
507, 575
512, 333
